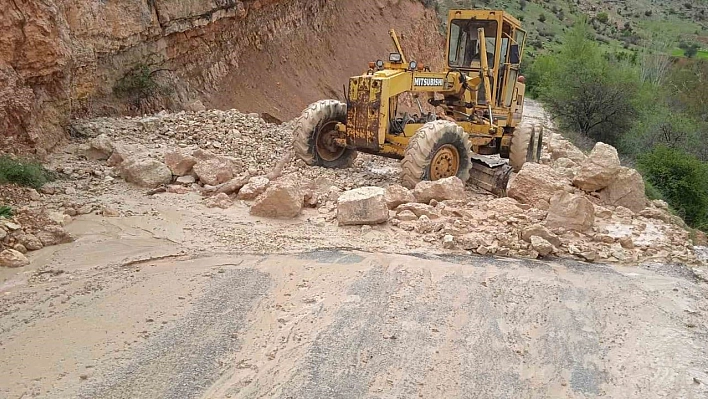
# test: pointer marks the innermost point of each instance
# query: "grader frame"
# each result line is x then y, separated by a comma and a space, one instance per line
479, 95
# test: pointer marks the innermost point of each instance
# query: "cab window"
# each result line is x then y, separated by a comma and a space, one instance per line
464, 51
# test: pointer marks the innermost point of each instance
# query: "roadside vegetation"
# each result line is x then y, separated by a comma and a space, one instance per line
5, 212
23, 172
139, 84
622, 24
626, 25
652, 107
633, 74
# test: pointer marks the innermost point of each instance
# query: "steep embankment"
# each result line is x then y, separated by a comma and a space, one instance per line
65, 58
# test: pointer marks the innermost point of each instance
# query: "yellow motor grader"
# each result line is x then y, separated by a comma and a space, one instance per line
478, 100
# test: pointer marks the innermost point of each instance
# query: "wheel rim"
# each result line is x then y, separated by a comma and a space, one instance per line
325, 145
445, 163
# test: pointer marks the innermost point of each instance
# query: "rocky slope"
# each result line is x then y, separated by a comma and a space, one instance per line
65, 58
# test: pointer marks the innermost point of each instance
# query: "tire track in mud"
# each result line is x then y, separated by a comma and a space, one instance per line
181, 362
402, 335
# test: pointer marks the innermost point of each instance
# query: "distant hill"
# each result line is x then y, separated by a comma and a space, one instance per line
619, 24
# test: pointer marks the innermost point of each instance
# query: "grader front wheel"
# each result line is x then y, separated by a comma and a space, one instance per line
526, 145
314, 133
439, 149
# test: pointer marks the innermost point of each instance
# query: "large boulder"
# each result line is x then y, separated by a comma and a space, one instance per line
570, 212
397, 195
279, 201
125, 152
256, 186
214, 171
449, 188
535, 184
145, 172
599, 169
99, 148
365, 205
236, 165
30, 241
566, 167
54, 235
12, 258
627, 190
542, 246
180, 164
562, 148
540, 231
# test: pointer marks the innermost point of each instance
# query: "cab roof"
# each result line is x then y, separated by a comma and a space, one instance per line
491, 15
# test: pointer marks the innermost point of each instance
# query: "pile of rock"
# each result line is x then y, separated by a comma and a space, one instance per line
594, 210
281, 198
33, 232
250, 142
242, 143
572, 205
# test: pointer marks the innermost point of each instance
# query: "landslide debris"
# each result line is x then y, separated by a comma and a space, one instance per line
239, 168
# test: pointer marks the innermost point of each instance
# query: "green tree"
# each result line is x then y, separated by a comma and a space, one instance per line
585, 91
689, 50
658, 124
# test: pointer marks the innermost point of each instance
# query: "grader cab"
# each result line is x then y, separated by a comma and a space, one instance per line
478, 100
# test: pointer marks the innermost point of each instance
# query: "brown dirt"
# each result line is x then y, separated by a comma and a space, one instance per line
313, 64
161, 296
13, 195
62, 59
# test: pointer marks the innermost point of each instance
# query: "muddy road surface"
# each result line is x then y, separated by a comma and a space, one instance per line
163, 296
338, 324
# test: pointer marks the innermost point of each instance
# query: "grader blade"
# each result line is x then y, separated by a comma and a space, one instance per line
490, 173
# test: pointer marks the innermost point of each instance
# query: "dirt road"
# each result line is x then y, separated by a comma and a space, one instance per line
161, 296
133, 317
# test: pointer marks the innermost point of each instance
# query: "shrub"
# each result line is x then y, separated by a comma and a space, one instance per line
138, 84
682, 180
5, 211
542, 18
603, 17
23, 172
652, 192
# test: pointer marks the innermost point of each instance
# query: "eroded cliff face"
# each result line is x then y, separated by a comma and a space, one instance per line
66, 58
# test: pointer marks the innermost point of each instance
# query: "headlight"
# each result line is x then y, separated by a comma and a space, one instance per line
379, 64
394, 57
412, 65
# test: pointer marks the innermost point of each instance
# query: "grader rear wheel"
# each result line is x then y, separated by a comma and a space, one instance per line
438, 150
526, 144
314, 133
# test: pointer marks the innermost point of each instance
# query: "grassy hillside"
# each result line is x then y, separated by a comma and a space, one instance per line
628, 24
